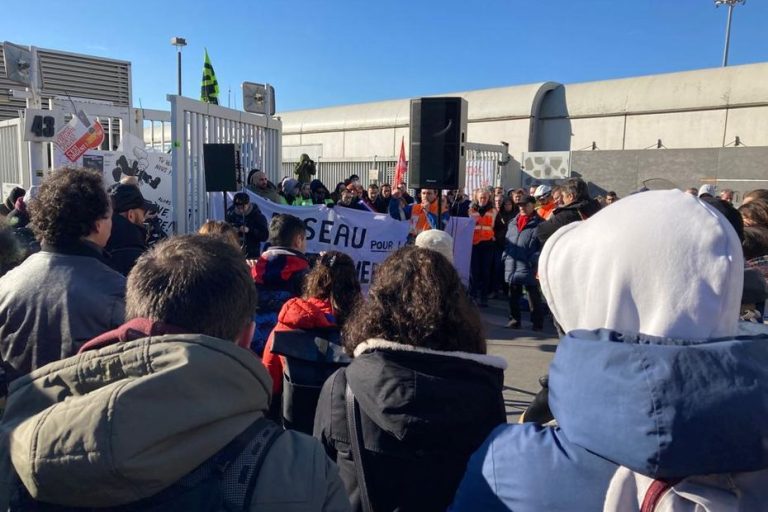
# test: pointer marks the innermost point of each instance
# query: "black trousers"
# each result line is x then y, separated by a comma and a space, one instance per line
534, 301
481, 268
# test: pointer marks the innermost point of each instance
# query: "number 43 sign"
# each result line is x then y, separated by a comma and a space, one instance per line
42, 125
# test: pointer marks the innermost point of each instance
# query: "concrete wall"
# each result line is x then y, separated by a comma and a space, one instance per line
741, 169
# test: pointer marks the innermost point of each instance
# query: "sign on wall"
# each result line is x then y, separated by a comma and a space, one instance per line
545, 167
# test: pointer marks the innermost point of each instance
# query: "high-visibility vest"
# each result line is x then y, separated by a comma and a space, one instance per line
483, 226
545, 211
419, 220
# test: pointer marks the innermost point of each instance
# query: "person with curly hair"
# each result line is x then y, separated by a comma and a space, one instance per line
65, 294
426, 392
331, 291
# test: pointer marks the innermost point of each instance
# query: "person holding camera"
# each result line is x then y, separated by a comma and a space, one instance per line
250, 224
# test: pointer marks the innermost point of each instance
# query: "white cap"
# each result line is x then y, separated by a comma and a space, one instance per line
542, 190
707, 189
436, 240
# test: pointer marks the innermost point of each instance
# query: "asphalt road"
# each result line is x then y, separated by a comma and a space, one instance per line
527, 353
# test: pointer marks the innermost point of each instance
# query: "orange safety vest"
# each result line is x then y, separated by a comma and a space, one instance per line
483, 226
545, 211
419, 221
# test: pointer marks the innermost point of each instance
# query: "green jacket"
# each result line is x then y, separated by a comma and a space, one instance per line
124, 422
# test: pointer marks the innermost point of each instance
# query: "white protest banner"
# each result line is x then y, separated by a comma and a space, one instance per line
368, 238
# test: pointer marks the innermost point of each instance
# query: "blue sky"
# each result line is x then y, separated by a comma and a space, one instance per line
333, 52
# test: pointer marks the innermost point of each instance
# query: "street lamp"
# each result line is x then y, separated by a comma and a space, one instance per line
731, 4
179, 43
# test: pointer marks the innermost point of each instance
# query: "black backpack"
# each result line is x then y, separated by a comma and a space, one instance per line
311, 357
223, 483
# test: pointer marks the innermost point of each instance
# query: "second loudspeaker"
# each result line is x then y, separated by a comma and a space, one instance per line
438, 135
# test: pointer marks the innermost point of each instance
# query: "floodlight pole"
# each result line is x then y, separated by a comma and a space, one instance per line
179, 43
731, 4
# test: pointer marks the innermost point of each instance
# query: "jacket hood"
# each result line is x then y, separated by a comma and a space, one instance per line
413, 393
664, 407
309, 313
660, 263
277, 265
119, 424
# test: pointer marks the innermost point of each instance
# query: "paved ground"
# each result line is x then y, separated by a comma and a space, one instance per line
527, 353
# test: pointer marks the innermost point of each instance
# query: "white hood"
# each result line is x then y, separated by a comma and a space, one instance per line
660, 263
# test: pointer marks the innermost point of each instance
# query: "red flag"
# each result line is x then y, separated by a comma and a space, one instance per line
401, 169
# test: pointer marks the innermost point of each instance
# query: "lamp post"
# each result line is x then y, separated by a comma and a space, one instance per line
731, 4
179, 43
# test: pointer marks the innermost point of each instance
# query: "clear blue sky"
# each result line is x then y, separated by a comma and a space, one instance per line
322, 53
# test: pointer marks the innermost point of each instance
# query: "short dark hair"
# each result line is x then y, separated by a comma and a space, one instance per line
417, 299
611, 193
334, 277
576, 187
68, 204
283, 229
196, 282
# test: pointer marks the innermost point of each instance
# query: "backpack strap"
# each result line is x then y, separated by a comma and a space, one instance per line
246, 460
655, 492
356, 438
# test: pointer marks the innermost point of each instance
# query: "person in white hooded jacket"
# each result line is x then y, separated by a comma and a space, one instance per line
653, 389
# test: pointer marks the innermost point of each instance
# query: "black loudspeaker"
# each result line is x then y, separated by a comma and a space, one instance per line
438, 135
222, 166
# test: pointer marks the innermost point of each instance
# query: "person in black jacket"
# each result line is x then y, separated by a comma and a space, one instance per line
577, 205
250, 224
428, 394
129, 237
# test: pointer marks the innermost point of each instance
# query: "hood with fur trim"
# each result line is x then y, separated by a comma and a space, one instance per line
426, 397
661, 263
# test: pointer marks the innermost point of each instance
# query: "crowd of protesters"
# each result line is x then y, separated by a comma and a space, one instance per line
230, 369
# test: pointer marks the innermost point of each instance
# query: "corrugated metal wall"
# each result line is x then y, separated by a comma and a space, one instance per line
79, 76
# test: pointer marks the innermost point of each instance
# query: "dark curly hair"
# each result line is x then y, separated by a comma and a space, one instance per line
417, 299
69, 203
334, 277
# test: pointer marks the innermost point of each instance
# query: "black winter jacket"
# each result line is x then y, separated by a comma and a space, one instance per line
564, 215
126, 244
423, 414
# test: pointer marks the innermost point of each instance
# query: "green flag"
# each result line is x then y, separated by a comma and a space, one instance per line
209, 91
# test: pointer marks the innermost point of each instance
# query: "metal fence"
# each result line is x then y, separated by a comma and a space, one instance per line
12, 155
490, 159
194, 124
333, 171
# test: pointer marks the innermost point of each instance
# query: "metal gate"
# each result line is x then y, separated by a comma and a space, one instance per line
194, 124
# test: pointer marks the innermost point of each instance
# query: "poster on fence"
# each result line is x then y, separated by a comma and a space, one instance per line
151, 169
368, 238
480, 174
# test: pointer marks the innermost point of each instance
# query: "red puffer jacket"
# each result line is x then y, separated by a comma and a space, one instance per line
297, 313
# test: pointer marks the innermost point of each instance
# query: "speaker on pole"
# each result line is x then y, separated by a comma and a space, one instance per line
221, 163
438, 135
